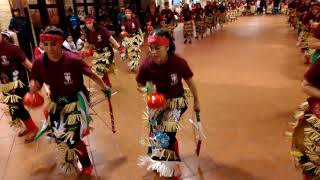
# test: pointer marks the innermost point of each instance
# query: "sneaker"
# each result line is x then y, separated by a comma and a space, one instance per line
185, 41
190, 41
87, 171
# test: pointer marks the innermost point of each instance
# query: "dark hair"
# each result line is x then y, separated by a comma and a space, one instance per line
96, 26
54, 31
6, 37
166, 34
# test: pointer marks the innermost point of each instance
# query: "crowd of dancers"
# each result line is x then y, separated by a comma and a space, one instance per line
304, 18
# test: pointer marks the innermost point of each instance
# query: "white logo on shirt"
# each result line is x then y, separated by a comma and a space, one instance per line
174, 79
133, 25
4, 60
67, 78
15, 75
99, 38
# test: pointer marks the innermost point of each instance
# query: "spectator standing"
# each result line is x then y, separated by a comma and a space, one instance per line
19, 25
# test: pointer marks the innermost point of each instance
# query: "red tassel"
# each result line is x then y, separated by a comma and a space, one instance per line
106, 79
46, 114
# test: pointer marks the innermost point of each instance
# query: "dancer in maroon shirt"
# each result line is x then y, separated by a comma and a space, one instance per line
188, 23
132, 39
153, 17
168, 18
208, 9
199, 20
103, 57
166, 71
14, 85
68, 107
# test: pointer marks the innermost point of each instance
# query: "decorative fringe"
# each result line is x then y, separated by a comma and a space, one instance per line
11, 98
52, 107
309, 166
187, 93
314, 121
133, 64
164, 168
164, 153
153, 113
313, 156
288, 134
177, 103
298, 115
67, 157
170, 126
11, 85
296, 153
147, 142
304, 106
16, 123
69, 168
132, 45
101, 62
68, 108
69, 136
74, 118
312, 133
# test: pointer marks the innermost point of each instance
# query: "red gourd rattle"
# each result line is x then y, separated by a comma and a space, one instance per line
155, 100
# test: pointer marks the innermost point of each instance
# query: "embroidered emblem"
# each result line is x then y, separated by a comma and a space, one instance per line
4, 60
174, 79
67, 78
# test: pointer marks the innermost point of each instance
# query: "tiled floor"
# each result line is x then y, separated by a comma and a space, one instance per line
248, 77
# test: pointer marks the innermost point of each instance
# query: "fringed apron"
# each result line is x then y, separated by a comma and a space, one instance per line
188, 29
233, 15
222, 18
163, 145
209, 21
68, 122
103, 62
132, 45
201, 26
252, 9
170, 27
13, 92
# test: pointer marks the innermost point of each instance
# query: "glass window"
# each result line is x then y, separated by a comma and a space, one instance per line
53, 16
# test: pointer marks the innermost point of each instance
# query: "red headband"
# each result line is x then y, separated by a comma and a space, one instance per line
127, 11
51, 37
89, 20
158, 40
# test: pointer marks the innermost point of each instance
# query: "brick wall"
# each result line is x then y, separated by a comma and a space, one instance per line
5, 14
